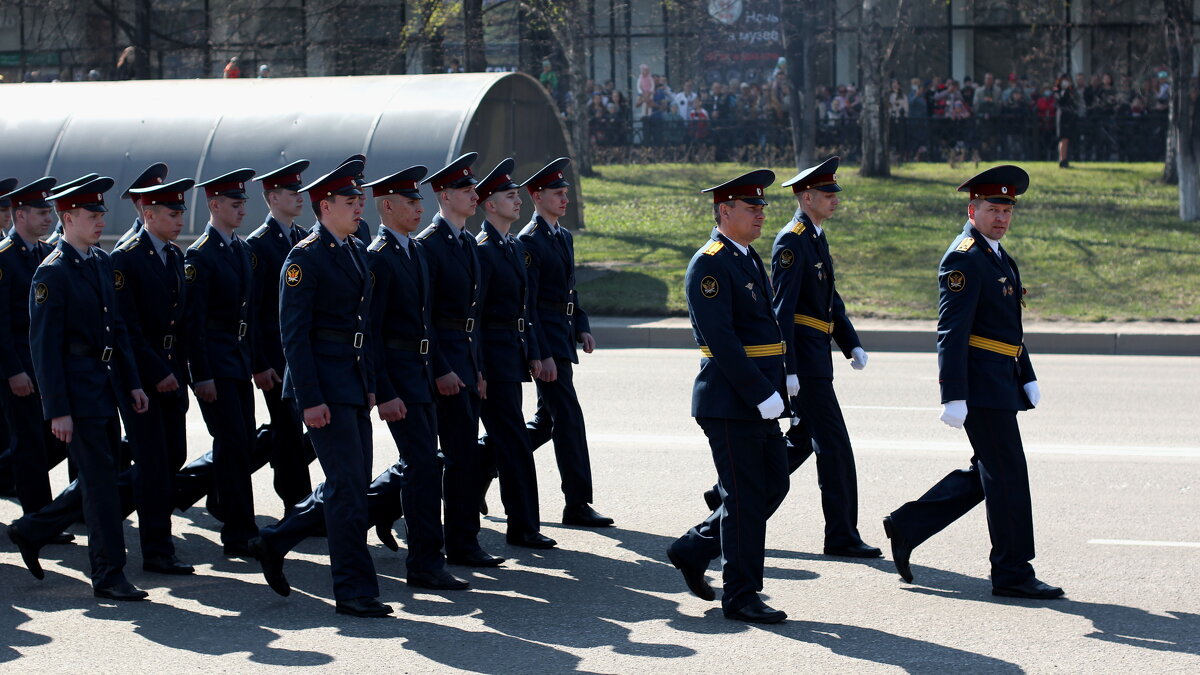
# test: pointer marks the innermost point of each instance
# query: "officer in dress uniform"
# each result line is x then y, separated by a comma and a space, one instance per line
20, 254
736, 400
810, 309
558, 322
219, 284
986, 378
84, 367
453, 261
507, 357
364, 229
269, 245
56, 234
155, 174
330, 378
148, 270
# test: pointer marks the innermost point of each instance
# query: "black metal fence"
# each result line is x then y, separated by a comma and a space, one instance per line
767, 142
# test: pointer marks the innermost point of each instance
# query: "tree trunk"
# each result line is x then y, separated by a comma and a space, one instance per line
571, 24
794, 17
141, 41
1170, 173
873, 121
474, 57
1180, 49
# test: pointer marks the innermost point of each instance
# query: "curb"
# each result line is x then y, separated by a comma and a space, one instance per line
916, 336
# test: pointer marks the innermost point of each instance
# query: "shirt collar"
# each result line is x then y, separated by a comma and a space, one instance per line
28, 246
159, 244
228, 240
401, 238
85, 253
744, 249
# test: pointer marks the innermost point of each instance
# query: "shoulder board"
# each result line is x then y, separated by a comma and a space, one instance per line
480, 238
308, 240
424, 233
799, 228
129, 244
199, 243
6, 244
714, 248
378, 245
966, 244
54, 255
260, 232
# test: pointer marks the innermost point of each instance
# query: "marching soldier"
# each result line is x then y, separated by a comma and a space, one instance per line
507, 356
986, 378
269, 245
557, 325
56, 234
219, 282
811, 312
84, 367
450, 254
330, 378
20, 254
154, 174
148, 270
737, 398
364, 228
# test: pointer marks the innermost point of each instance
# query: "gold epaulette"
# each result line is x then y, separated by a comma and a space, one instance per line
966, 244
480, 238
129, 244
714, 248
377, 245
799, 228
199, 243
424, 234
308, 240
261, 231
6, 244
54, 255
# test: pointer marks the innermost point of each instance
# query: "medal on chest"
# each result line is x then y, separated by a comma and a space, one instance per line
820, 271
750, 287
1008, 289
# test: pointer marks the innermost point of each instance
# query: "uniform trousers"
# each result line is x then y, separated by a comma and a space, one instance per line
66, 509
416, 480
823, 430
560, 417
751, 461
230, 421
290, 455
158, 441
508, 439
999, 477
30, 456
92, 450
467, 469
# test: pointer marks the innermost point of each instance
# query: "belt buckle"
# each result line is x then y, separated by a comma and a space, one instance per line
242, 329
358, 340
106, 355
470, 325
521, 325
570, 309
424, 348
168, 341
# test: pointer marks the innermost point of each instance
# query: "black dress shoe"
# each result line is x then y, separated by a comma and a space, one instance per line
756, 612
62, 538
693, 575
370, 608
900, 550
29, 552
384, 532
858, 550
121, 590
167, 565
237, 549
437, 580
478, 558
483, 507
530, 540
584, 515
1034, 589
272, 565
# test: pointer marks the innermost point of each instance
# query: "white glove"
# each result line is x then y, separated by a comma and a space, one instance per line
858, 358
954, 413
1034, 394
771, 408
793, 385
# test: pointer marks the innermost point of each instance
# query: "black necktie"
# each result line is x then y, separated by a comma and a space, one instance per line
295, 236
353, 258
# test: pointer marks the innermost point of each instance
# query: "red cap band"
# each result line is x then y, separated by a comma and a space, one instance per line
215, 189
993, 192
394, 187
276, 182
742, 192
75, 201
28, 197
443, 182
815, 182
330, 188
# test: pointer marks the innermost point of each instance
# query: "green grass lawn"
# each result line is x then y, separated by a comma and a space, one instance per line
1095, 242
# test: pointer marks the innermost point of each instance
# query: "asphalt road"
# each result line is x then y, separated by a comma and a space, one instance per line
1114, 455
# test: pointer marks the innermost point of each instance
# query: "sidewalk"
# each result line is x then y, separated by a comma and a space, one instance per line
1141, 338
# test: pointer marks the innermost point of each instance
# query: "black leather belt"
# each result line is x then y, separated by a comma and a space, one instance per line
407, 345
104, 354
466, 325
239, 329
567, 308
339, 336
516, 324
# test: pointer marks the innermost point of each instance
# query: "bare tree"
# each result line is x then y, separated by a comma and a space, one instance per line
797, 18
875, 55
1180, 39
570, 22
474, 57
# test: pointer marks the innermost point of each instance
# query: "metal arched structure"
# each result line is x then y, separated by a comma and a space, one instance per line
203, 128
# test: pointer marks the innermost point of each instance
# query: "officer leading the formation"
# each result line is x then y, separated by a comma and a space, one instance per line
986, 377
737, 400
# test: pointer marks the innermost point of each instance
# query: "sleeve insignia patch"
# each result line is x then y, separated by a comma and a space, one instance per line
118, 280
1, 274
965, 245
528, 259
253, 261
40, 293
709, 287
713, 249
786, 258
372, 278
189, 273
292, 275
956, 280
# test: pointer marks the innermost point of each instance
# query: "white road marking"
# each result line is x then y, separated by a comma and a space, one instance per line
1135, 542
